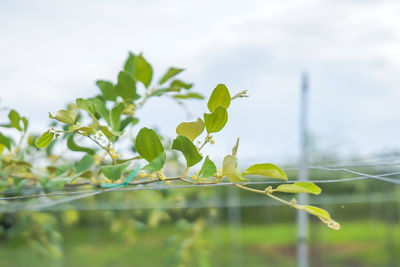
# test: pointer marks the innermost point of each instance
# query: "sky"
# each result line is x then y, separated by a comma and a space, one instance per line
52, 52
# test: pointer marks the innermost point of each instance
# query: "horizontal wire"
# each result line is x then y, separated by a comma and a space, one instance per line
82, 194
221, 203
378, 164
321, 167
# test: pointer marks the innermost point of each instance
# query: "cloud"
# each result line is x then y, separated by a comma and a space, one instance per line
53, 51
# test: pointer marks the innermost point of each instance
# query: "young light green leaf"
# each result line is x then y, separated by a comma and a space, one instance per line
189, 95
14, 119
126, 86
148, 144
65, 116
230, 170
299, 187
266, 169
191, 129
219, 97
156, 164
208, 169
4, 140
322, 214
44, 140
216, 120
74, 147
188, 149
141, 69
115, 116
84, 164
171, 72
107, 90
114, 172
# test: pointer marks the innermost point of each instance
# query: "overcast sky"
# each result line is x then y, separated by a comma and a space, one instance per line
51, 52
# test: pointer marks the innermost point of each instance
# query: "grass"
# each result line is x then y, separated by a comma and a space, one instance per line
360, 243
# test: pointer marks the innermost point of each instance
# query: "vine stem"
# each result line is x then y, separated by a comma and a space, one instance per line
106, 149
265, 193
21, 140
179, 178
102, 147
250, 189
206, 140
184, 174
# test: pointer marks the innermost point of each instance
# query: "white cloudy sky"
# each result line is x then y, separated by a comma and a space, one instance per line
52, 52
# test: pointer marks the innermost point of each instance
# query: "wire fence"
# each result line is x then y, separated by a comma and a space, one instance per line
52, 199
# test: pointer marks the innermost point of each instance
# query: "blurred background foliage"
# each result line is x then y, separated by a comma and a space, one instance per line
213, 226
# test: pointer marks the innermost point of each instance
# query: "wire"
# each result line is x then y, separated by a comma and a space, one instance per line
221, 203
321, 167
378, 164
82, 194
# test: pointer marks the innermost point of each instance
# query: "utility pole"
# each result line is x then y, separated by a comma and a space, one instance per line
302, 216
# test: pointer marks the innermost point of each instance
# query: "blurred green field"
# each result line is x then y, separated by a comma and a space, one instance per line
358, 243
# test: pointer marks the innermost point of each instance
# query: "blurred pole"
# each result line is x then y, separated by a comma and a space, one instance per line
234, 217
302, 217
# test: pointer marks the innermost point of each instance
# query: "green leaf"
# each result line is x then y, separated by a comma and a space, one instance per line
177, 85
90, 108
65, 116
101, 109
74, 147
148, 144
189, 95
230, 170
127, 160
299, 187
156, 164
128, 120
114, 172
171, 72
208, 169
110, 134
322, 214
129, 65
25, 123
266, 169
50, 147
84, 164
115, 116
140, 68
191, 129
216, 120
83, 129
44, 140
188, 149
4, 140
219, 97
107, 90
126, 86
14, 119
86, 105
159, 92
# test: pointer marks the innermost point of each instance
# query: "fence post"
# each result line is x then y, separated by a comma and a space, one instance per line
302, 217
